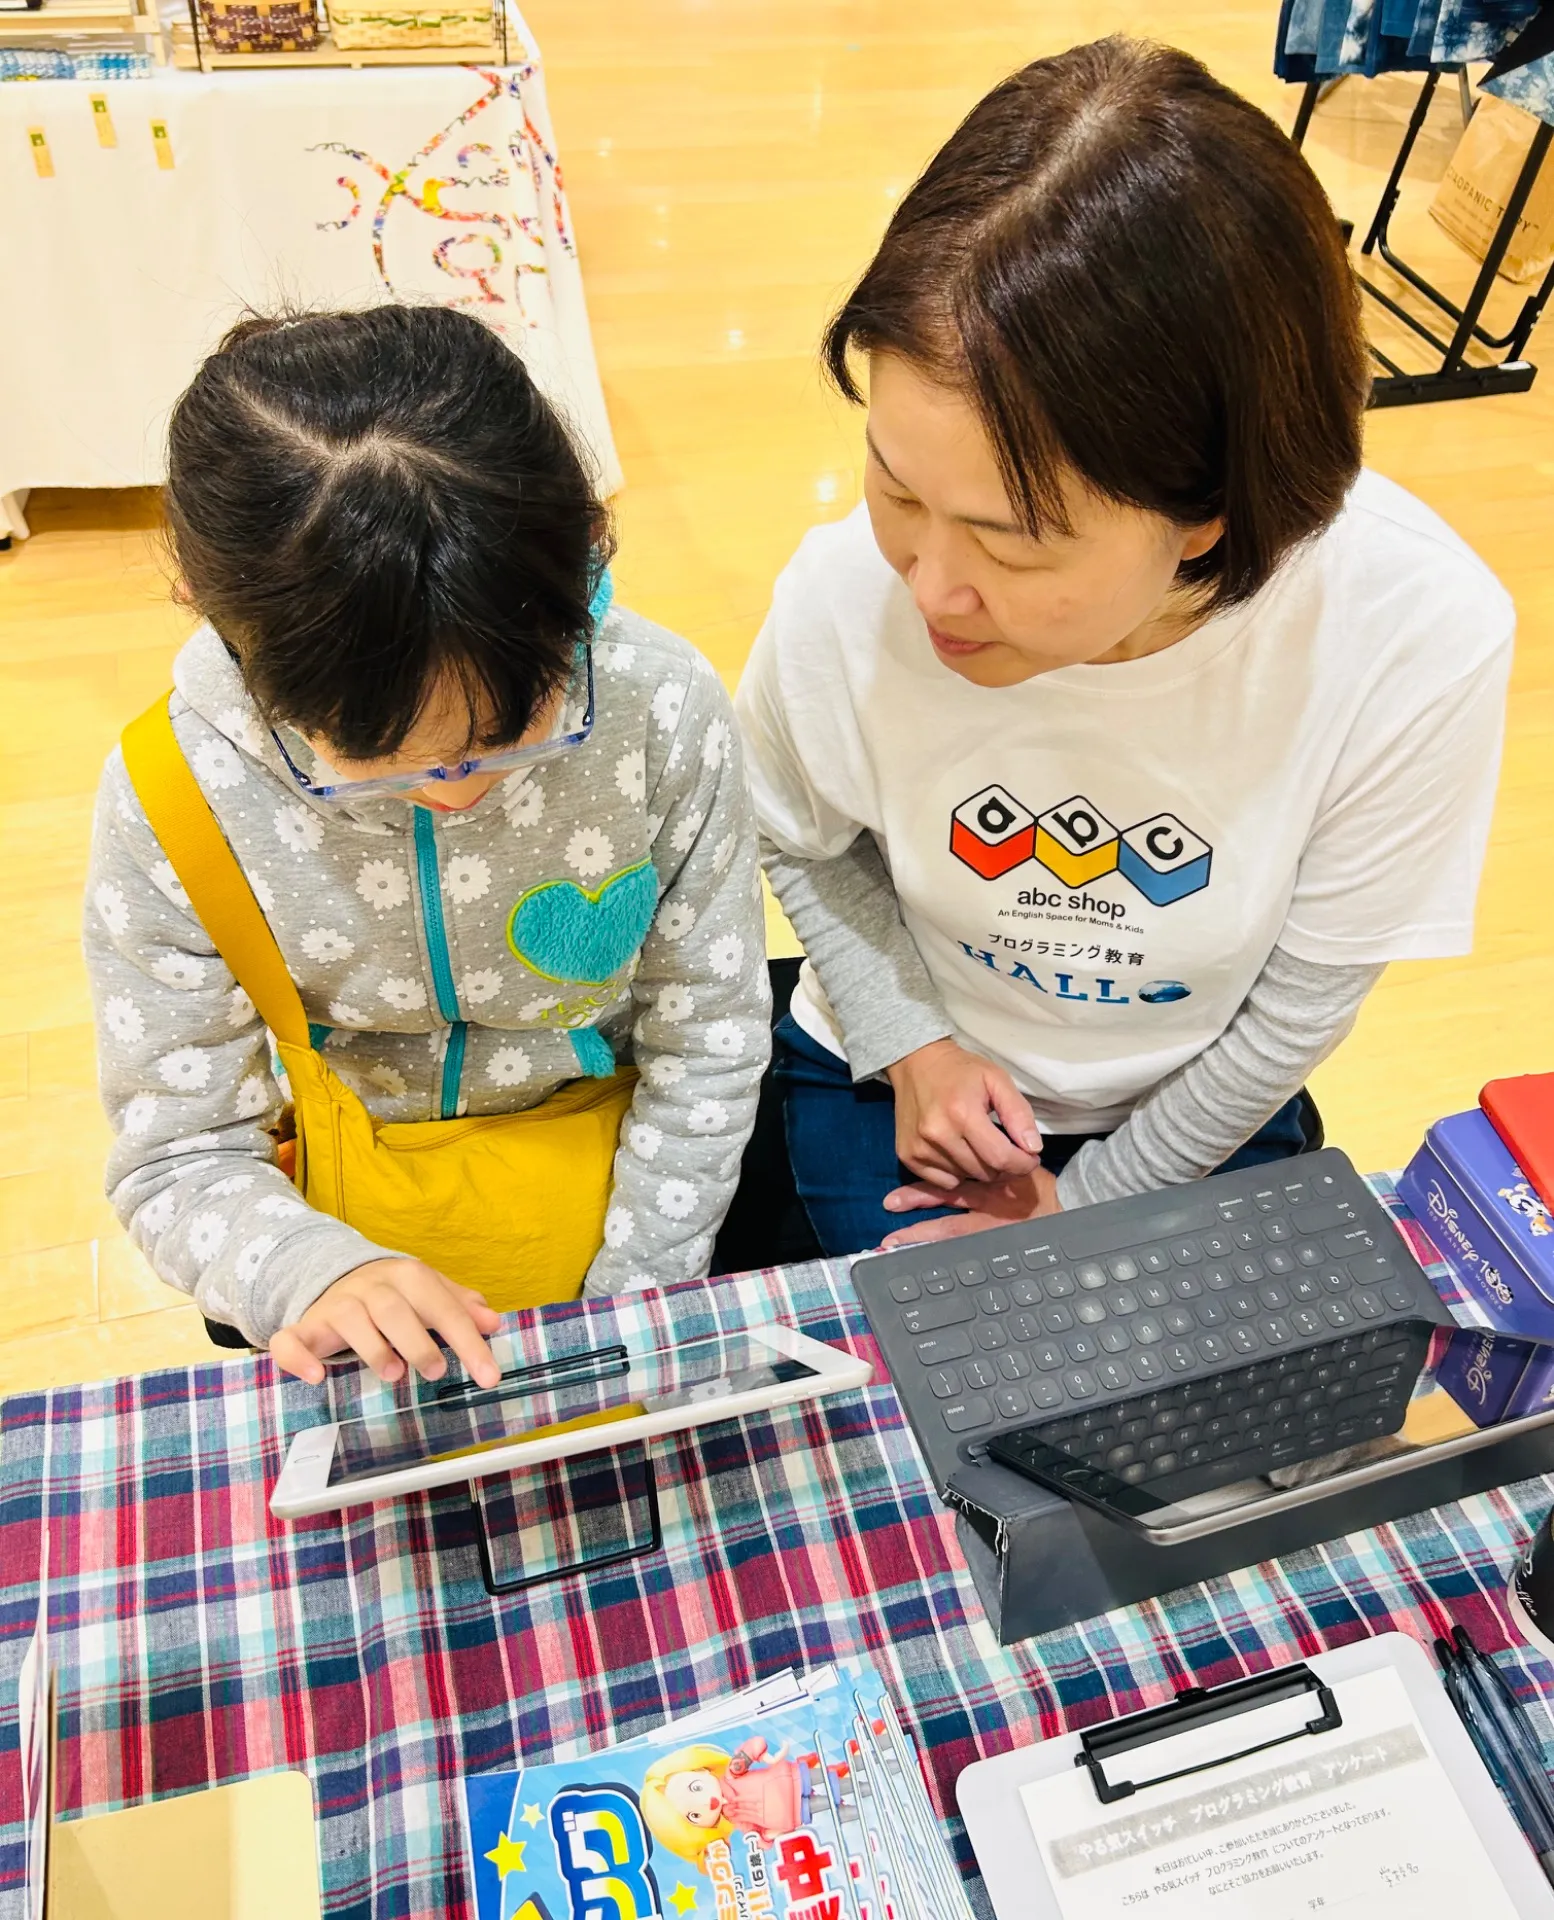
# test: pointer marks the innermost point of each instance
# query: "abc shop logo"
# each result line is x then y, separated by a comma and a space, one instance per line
993, 834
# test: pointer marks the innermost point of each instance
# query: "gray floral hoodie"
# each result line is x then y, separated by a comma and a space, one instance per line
443, 980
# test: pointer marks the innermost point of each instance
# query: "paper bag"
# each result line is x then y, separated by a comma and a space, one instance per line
1479, 181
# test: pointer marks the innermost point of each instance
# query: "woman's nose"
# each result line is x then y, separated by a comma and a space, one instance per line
939, 594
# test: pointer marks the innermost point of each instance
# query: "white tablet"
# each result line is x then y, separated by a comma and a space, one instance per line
577, 1404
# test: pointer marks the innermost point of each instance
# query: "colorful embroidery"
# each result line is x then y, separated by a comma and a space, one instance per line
562, 931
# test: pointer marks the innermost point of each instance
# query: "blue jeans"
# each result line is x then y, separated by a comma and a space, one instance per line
842, 1144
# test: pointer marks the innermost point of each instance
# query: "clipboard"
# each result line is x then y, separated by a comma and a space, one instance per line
1116, 1755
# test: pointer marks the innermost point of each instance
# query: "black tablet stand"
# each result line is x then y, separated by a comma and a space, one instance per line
624, 1484
1454, 378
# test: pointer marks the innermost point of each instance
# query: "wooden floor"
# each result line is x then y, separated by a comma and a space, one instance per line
730, 164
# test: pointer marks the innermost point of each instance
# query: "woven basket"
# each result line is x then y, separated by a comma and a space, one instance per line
372, 23
260, 26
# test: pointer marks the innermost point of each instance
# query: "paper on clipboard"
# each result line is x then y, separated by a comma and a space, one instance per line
1360, 1820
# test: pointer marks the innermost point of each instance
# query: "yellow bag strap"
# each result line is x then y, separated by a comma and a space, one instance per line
197, 849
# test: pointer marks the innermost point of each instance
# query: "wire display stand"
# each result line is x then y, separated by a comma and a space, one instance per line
1455, 377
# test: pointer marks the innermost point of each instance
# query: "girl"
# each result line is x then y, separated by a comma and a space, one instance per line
1106, 756
499, 835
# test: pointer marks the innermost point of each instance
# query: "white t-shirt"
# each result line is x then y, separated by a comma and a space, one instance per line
1096, 864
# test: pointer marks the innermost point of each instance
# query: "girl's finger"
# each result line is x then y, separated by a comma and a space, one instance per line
910, 1199
450, 1311
292, 1355
359, 1331
1014, 1113
404, 1328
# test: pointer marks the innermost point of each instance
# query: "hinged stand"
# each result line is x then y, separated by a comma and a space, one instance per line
1454, 378
593, 1466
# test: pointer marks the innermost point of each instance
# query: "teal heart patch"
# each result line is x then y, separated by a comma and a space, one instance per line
563, 932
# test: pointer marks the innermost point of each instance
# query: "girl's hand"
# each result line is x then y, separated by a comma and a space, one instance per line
382, 1311
946, 1100
983, 1204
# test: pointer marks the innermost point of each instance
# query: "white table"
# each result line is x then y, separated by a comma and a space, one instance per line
329, 187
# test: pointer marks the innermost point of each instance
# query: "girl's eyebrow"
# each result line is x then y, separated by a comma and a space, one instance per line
961, 519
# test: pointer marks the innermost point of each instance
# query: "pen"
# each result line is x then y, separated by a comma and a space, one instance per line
1502, 1764
1506, 1713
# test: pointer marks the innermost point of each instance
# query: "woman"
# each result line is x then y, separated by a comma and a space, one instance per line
1106, 756
499, 835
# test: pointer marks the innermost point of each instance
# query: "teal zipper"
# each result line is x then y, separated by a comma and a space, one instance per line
442, 964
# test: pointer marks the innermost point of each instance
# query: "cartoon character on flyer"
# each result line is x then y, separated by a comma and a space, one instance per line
701, 1794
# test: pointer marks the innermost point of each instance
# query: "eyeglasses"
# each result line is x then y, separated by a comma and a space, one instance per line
572, 730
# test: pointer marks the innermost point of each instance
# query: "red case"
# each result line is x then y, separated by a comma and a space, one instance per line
1522, 1113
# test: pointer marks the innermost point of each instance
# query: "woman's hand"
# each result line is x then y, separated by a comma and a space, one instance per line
383, 1311
946, 1101
983, 1204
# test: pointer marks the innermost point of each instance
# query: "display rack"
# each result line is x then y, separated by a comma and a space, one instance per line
67, 19
1455, 377
192, 50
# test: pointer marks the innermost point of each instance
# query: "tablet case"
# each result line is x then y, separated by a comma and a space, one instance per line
1522, 1110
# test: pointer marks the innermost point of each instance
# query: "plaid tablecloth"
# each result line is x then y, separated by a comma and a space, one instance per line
198, 1640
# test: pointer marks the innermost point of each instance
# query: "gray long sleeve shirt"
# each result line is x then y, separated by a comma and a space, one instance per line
845, 913
644, 833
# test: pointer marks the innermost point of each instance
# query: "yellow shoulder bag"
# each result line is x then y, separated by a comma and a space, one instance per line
512, 1204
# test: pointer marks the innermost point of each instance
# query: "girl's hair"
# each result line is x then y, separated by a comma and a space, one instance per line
668, 1826
1133, 276
365, 504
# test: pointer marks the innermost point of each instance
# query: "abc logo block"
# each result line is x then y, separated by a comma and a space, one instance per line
992, 832
1077, 842
1164, 860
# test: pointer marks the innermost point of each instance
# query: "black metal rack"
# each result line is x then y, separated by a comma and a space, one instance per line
1455, 377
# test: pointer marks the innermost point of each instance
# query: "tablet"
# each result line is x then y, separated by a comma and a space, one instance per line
576, 1403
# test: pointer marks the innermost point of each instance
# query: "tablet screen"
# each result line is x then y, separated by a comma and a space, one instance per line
578, 1392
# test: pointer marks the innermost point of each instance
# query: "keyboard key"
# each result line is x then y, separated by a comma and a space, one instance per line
1091, 1274
1059, 1286
1217, 1245
1187, 1286
993, 1300
942, 1347
1026, 1327
1057, 1318
1295, 1192
979, 1373
1114, 1338
1090, 1312
1039, 1257
1026, 1293
1179, 1320
965, 1416
1273, 1296
1397, 1296
1334, 1279
1211, 1313
990, 1336
1123, 1300
1213, 1348
1147, 1330
1233, 1209
1186, 1253
1114, 1376
1123, 1455
1305, 1288
933, 1314
1049, 1356
972, 1273
1178, 1356
1082, 1346
945, 1383
1245, 1237
1275, 1329
939, 1283
1123, 1268
1368, 1304
1275, 1231
1079, 1383
1265, 1200
1011, 1402
1337, 1313
1308, 1253
1147, 1367
1004, 1266
905, 1290
1242, 1304
1279, 1260
1045, 1393
1244, 1338
1332, 1213
1218, 1278
1154, 1260
1346, 1241
1155, 1293
1013, 1365
1248, 1267
1370, 1269
1324, 1183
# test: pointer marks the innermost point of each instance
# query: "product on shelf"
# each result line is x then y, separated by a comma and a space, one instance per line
259, 26
358, 24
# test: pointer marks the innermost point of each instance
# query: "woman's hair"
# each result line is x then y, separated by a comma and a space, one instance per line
366, 504
1133, 276
668, 1826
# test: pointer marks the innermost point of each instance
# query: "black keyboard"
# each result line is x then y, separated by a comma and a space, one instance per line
999, 1330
